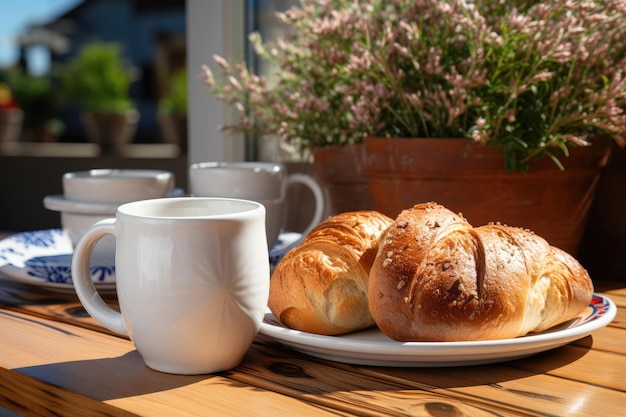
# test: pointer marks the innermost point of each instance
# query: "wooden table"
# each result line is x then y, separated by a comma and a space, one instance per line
55, 360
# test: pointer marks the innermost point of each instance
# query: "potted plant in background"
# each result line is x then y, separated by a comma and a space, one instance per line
11, 115
487, 107
172, 110
39, 99
99, 81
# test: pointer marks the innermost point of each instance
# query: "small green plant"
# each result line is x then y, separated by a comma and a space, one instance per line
37, 96
98, 79
175, 99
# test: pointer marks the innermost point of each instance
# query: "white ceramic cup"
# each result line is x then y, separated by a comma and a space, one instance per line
117, 185
95, 194
263, 182
192, 279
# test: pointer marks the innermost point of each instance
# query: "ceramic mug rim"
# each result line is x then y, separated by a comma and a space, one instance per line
240, 166
179, 207
112, 174
116, 185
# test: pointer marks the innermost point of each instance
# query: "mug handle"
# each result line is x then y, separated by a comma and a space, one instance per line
81, 277
317, 194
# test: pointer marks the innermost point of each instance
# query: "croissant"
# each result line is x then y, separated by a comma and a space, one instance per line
437, 278
321, 285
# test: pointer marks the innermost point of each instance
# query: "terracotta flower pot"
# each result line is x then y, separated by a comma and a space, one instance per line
340, 171
10, 124
389, 175
110, 130
173, 128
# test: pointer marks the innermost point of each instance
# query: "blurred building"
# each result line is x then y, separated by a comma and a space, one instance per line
151, 33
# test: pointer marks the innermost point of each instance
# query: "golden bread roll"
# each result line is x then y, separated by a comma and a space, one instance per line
437, 278
321, 285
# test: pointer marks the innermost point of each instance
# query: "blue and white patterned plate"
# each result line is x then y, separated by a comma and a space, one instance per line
286, 241
44, 258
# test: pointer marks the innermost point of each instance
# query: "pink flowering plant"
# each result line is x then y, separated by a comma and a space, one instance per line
529, 77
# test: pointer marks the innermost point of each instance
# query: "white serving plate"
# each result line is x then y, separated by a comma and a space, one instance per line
372, 347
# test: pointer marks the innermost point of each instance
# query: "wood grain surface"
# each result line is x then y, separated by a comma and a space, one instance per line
55, 360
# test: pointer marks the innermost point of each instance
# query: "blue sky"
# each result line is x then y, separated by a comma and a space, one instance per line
15, 15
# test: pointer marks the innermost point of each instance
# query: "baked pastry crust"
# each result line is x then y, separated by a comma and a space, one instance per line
321, 285
437, 278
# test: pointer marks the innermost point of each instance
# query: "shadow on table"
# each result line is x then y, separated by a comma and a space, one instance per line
496, 374
127, 375
110, 378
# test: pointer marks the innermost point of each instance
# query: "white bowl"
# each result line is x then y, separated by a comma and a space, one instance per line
117, 185
75, 224
63, 204
78, 216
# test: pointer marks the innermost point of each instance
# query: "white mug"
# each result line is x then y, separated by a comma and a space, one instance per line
192, 279
263, 182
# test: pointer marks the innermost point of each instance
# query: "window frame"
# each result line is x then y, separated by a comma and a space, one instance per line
213, 27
